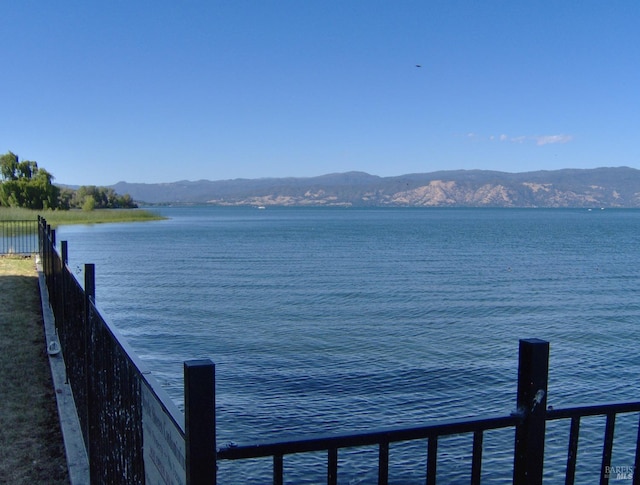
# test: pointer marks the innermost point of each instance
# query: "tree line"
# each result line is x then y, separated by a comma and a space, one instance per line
24, 184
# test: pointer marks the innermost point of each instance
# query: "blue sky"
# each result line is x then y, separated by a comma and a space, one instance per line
161, 91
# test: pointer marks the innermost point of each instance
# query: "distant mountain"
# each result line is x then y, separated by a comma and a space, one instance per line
600, 187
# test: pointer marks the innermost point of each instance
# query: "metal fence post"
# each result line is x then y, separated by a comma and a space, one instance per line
64, 248
49, 269
40, 219
89, 282
89, 294
533, 371
200, 422
42, 240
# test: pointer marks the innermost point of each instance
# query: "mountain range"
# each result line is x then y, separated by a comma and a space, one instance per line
599, 187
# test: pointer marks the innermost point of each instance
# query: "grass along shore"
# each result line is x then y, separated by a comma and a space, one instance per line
30, 436
57, 217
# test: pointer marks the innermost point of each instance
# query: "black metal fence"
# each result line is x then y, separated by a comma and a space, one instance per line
18, 237
114, 394
529, 421
133, 432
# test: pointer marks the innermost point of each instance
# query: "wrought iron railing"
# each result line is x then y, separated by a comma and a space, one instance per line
19, 237
529, 422
476, 427
132, 431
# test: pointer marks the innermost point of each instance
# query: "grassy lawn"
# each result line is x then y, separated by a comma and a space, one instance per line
57, 217
30, 437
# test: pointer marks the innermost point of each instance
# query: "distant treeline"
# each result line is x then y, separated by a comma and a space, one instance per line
24, 184
89, 197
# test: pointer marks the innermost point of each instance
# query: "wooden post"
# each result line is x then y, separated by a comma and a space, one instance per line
200, 421
533, 371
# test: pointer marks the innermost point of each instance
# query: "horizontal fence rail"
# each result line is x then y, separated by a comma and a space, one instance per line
19, 237
380, 438
386, 435
134, 433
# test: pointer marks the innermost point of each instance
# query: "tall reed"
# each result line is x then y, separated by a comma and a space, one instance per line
58, 217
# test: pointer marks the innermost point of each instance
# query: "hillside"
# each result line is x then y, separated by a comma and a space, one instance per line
600, 187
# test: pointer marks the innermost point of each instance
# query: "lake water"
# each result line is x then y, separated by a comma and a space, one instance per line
335, 320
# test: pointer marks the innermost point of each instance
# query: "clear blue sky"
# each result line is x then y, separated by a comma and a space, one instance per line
159, 91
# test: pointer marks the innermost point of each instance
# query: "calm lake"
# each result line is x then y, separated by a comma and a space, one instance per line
335, 320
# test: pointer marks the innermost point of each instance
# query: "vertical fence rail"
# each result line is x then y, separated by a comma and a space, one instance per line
383, 463
636, 467
572, 454
432, 459
332, 466
476, 459
607, 449
87, 340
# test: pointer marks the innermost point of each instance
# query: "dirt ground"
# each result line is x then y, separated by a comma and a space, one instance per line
30, 437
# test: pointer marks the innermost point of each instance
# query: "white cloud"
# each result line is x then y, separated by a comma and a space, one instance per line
539, 140
549, 139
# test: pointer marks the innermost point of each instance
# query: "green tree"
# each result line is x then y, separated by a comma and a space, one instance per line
89, 203
23, 184
65, 198
127, 202
104, 198
47, 193
9, 166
